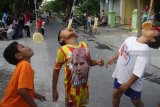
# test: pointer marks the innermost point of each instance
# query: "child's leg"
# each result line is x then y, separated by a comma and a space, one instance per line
116, 97
80, 100
137, 103
42, 31
95, 31
116, 94
158, 105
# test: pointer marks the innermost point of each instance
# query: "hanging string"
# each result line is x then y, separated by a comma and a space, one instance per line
35, 3
73, 9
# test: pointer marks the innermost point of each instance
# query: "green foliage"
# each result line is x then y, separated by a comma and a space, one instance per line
65, 6
92, 5
16, 7
54, 6
59, 6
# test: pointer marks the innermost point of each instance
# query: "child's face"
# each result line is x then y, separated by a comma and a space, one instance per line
152, 37
68, 36
24, 52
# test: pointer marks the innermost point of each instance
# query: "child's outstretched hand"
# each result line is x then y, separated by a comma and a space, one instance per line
40, 97
110, 62
55, 95
100, 62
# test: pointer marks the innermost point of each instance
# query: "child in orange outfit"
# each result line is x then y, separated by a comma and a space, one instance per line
20, 90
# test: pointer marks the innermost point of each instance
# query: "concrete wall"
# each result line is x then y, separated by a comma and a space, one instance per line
130, 6
124, 8
116, 7
103, 6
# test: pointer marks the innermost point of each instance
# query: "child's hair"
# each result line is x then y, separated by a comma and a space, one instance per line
9, 53
156, 44
62, 43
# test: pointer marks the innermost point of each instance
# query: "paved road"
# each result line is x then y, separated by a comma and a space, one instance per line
100, 79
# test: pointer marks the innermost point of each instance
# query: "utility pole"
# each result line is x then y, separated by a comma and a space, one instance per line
151, 6
139, 18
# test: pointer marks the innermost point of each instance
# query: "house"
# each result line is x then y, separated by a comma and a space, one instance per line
124, 8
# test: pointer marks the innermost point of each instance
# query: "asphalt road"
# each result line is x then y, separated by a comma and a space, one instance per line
100, 80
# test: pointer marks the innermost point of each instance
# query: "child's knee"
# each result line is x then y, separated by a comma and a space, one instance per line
116, 94
137, 102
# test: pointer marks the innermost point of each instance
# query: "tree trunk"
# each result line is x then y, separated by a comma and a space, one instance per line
139, 18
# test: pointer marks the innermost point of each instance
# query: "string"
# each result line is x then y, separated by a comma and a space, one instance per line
35, 2
72, 10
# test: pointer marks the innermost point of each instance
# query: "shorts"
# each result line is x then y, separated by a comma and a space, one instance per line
134, 95
77, 100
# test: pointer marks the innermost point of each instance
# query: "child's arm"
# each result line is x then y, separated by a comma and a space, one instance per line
39, 97
55, 94
99, 62
58, 65
140, 65
27, 98
115, 57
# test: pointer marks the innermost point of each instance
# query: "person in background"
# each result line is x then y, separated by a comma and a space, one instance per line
146, 9
89, 23
16, 28
39, 24
47, 20
21, 24
27, 23
43, 26
145, 16
84, 21
95, 26
9, 21
4, 18
151, 17
3, 33
10, 32
104, 21
157, 17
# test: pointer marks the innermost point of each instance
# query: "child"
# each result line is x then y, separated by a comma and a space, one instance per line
76, 58
43, 26
20, 90
89, 22
39, 24
10, 32
95, 26
27, 23
133, 60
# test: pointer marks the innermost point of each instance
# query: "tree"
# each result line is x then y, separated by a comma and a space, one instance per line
92, 5
16, 7
66, 5
59, 5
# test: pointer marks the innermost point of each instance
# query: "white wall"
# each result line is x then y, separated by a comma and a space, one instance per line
116, 7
